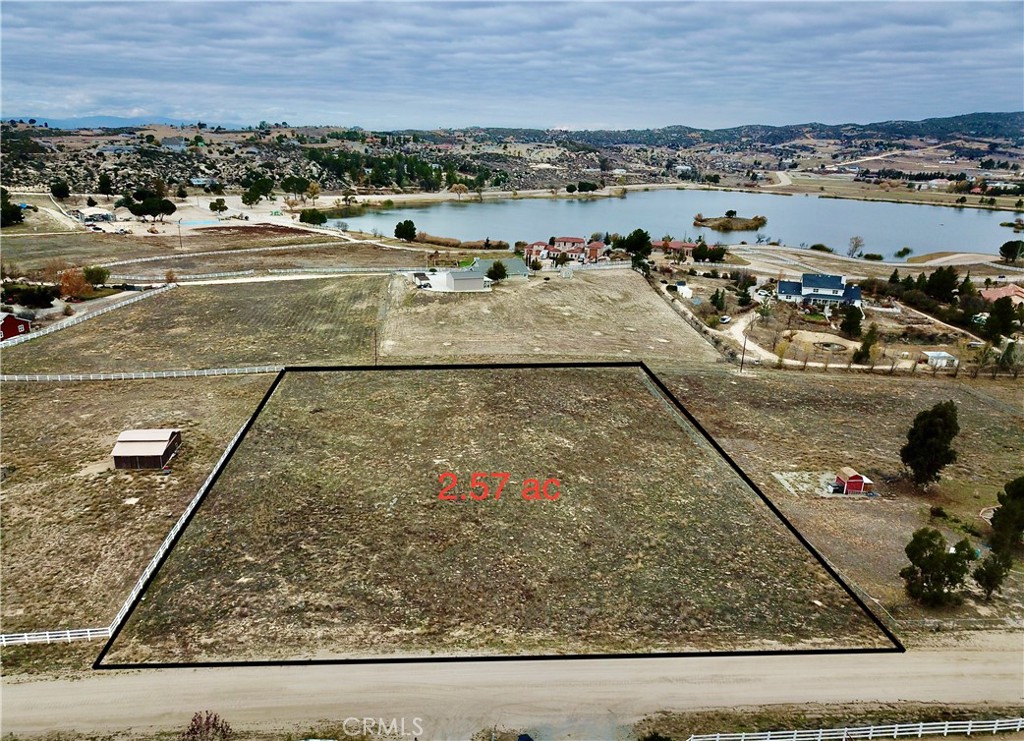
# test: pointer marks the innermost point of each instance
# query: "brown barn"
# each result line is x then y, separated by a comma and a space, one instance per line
145, 448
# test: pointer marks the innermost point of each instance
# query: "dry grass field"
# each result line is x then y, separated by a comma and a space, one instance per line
239, 324
800, 421
313, 256
325, 535
88, 248
76, 533
600, 315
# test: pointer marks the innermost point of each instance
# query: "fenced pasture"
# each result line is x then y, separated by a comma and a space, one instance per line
324, 536
596, 315
76, 532
218, 326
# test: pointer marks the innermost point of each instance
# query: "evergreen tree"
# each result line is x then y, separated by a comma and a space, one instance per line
929, 442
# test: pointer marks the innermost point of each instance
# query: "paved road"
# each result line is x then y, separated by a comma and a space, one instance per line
563, 699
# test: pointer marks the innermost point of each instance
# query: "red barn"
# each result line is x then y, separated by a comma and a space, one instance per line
852, 482
12, 326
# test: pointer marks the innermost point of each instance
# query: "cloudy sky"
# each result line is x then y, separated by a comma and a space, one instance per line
575, 64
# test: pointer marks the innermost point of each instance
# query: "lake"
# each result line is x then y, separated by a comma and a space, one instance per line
794, 220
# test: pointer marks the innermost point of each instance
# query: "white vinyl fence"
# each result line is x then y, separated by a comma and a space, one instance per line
86, 634
900, 730
54, 636
71, 321
139, 375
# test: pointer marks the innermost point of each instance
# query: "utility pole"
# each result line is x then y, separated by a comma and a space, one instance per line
180, 247
375, 347
743, 355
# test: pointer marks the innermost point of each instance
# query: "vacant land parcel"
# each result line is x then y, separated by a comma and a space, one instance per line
217, 326
596, 315
325, 536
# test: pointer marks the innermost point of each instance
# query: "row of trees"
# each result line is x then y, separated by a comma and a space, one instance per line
937, 573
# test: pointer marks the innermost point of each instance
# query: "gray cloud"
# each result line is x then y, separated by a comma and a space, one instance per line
574, 64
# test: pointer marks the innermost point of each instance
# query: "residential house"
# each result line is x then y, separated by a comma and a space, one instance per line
535, 251
818, 289
1014, 291
514, 267
567, 243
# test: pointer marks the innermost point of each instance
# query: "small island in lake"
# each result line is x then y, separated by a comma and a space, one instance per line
730, 222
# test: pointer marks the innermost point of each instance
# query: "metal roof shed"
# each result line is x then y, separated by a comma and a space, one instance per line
145, 448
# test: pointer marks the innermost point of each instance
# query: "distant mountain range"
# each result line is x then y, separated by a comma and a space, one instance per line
117, 122
969, 126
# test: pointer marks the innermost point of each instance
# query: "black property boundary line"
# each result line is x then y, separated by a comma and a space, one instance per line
897, 646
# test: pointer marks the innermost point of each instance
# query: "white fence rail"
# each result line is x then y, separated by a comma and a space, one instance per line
179, 278
138, 376
947, 728
86, 634
173, 533
54, 636
317, 271
71, 321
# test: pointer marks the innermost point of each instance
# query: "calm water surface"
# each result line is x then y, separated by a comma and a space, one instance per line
794, 220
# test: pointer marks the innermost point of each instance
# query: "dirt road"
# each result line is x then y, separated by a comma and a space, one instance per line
557, 699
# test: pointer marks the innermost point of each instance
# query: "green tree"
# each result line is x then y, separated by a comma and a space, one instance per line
218, 206
295, 185
1000, 319
637, 243
863, 353
730, 214
991, 572
312, 216
182, 192
941, 283
570, 188
96, 275
929, 442
497, 271
536, 265
895, 277
561, 259
935, 575
90, 201
1008, 519
850, 326
10, 213
106, 186
1012, 251
250, 198
60, 189
405, 230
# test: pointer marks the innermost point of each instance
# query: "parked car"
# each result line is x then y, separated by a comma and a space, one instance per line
725, 319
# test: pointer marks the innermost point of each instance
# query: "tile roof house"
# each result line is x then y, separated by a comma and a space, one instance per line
1015, 292
819, 289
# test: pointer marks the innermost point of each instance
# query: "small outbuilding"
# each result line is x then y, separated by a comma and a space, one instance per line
465, 280
849, 481
940, 359
145, 448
